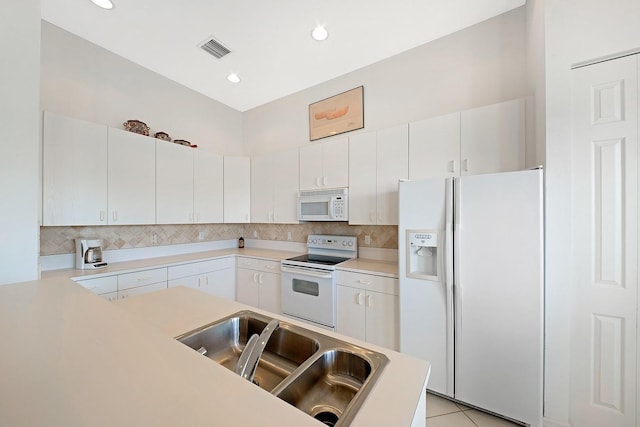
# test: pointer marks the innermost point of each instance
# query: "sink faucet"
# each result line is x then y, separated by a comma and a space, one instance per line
248, 362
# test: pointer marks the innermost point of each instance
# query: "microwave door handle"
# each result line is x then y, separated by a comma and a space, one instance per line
306, 273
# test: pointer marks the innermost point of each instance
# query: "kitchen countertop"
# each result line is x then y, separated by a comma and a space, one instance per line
158, 262
370, 266
71, 358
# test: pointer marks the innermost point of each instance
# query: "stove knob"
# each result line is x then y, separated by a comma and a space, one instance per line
344, 243
350, 243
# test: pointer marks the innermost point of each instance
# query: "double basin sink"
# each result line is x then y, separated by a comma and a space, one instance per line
326, 378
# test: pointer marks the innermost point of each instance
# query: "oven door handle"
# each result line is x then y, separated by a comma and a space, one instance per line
306, 273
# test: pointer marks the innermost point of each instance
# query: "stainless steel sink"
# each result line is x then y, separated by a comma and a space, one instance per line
326, 378
224, 342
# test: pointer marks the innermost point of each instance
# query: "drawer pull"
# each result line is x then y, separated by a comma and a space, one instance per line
364, 282
144, 278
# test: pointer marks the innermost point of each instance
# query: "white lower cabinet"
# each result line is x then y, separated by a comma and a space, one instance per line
258, 283
215, 277
141, 282
125, 285
367, 308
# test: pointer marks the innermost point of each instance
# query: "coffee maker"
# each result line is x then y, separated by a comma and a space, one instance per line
89, 254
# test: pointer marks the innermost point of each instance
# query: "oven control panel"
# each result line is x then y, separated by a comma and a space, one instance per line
349, 243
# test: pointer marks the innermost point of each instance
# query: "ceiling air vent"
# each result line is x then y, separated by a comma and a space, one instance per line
215, 48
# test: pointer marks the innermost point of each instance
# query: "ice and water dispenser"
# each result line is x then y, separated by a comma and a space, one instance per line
422, 251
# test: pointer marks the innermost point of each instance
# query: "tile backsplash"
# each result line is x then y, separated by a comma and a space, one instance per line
60, 240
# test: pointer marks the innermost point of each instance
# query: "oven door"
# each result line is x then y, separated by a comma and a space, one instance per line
309, 293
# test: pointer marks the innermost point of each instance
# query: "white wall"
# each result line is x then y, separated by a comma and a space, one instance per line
82, 80
480, 65
19, 144
576, 30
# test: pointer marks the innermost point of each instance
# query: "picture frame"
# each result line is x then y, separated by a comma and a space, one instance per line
338, 114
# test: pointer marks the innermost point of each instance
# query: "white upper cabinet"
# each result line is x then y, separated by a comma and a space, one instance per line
274, 187
262, 188
362, 178
237, 189
487, 139
377, 160
392, 162
434, 147
492, 138
208, 187
74, 175
174, 183
131, 178
325, 165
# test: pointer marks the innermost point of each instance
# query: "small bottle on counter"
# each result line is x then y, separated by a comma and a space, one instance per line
241, 242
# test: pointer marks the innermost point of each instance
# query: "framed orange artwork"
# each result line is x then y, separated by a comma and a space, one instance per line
339, 114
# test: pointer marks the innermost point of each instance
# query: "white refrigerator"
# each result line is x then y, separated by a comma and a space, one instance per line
471, 288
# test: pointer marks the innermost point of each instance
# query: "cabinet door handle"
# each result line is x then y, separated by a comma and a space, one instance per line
379, 215
371, 216
260, 278
206, 280
452, 166
359, 298
101, 215
325, 181
369, 301
255, 277
114, 215
465, 165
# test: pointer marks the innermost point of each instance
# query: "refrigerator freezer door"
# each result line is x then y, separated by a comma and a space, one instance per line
426, 312
499, 293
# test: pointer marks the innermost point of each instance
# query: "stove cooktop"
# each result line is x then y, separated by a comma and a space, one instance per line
318, 259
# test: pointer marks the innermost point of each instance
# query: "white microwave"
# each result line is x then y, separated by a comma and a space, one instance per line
324, 205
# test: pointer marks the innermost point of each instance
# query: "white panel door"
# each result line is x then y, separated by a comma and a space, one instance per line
335, 163
350, 312
392, 165
237, 189
74, 171
311, 167
499, 293
604, 226
362, 178
382, 326
222, 283
131, 178
285, 190
208, 187
270, 293
492, 138
247, 291
434, 147
174, 183
262, 182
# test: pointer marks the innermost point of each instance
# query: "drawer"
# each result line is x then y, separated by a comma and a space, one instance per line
141, 278
369, 282
100, 285
200, 267
141, 290
268, 266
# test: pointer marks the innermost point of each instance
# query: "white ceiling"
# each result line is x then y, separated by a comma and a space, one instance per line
272, 49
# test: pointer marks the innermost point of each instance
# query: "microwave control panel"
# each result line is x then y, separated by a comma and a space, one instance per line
338, 207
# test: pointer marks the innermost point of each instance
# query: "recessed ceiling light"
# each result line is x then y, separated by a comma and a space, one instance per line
319, 33
233, 78
105, 4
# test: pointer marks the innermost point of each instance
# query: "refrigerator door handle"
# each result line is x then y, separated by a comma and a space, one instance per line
449, 277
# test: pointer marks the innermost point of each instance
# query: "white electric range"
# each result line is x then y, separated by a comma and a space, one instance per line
309, 281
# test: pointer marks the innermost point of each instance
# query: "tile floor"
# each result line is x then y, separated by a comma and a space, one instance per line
445, 413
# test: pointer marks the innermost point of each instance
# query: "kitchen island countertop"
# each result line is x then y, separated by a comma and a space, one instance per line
70, 358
